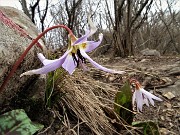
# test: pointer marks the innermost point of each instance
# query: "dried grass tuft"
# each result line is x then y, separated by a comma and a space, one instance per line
84, 97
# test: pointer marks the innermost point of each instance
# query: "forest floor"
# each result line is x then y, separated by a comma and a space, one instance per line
161, 76
84, 94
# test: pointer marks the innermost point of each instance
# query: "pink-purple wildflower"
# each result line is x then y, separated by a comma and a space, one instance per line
74, 56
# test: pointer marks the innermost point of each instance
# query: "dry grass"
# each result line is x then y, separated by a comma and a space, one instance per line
87, 98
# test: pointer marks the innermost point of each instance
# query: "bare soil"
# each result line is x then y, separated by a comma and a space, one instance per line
155, 74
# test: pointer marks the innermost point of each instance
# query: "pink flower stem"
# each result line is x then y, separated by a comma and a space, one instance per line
17, 63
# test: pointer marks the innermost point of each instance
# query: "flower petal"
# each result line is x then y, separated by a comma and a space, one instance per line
49, 65
88, 33
97, 65
45, 69
146, 100
149, 95
91, 45
41, 57
93, 28
139, 100
44, 60
82, 39
47, 61
151, 101
69, 64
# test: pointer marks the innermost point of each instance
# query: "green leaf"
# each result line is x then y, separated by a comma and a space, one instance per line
52, 79
16, 122
149, 127
124, 99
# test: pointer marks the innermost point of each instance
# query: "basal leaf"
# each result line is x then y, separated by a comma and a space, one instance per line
52, 78
16, 122
149, 127
124, 98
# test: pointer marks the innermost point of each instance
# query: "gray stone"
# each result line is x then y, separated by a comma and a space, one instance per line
174, 71
12, 44
169, 95
22, 20
174, 89
150, 52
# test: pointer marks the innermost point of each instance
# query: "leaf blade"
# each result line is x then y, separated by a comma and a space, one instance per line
17, 122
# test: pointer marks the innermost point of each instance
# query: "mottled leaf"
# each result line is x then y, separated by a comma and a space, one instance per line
16, 122
149, 127
124, 98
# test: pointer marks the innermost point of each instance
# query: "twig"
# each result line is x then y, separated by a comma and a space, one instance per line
161, 86
54, 116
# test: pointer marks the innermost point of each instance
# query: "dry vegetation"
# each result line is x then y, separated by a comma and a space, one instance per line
87, 101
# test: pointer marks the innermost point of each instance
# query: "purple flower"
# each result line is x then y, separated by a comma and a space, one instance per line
141, 96
74, 56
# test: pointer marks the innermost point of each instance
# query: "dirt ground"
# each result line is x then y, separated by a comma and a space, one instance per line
158, 75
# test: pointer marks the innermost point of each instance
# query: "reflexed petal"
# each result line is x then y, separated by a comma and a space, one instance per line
81, 39
41, 57
91, 45
49, 65
88, 33
93, 28
44, 60
45, 69
151, 101
146, 100
149, 95
139, 100
97, 65
47, 61
69, 64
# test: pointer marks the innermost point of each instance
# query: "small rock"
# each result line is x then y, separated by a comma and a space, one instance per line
111, 78
150, 52
174, 89
143, 60
175, 71
166, 79
171, 125
169, 95
162, 118
168, 105
164, 131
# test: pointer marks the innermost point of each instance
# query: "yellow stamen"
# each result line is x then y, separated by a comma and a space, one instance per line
84, 45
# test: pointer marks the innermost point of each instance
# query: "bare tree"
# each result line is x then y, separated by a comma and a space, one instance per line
34, 8
161, 29
42, 16
128, 19
128, 25
71, 11
25, 8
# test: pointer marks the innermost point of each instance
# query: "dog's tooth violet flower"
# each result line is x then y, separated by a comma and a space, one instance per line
74, 56
141, 96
